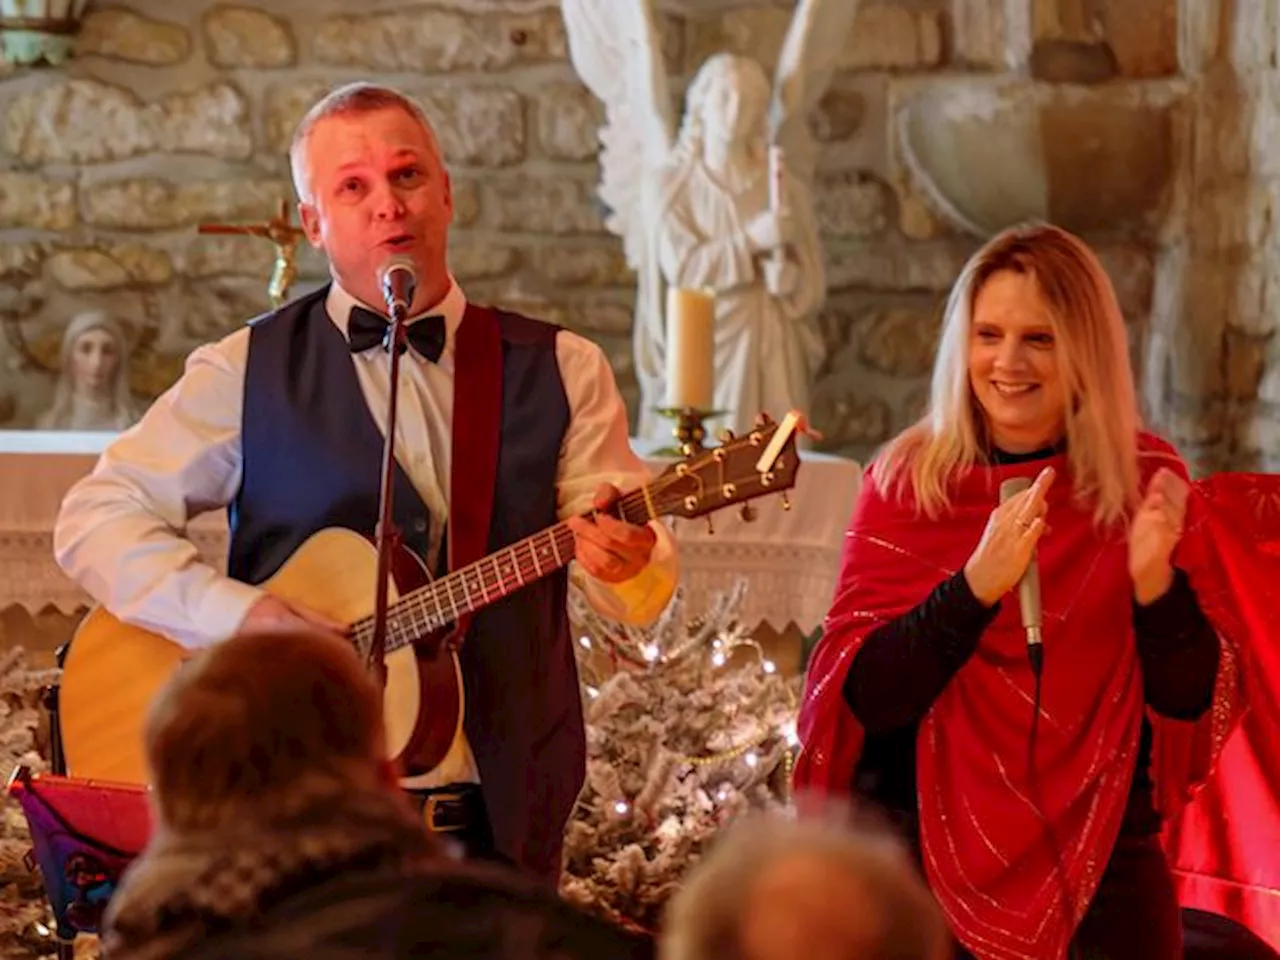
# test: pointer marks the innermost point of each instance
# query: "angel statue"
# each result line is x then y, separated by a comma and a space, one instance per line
725, 203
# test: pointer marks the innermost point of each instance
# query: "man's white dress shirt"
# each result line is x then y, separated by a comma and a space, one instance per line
120, 530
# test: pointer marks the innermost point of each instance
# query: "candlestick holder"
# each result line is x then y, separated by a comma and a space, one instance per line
689, 431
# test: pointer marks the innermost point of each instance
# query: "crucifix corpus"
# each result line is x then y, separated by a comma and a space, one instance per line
281, 232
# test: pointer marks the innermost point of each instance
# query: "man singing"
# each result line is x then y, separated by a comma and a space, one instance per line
283, 423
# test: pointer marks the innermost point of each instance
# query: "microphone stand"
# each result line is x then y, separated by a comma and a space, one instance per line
387, 535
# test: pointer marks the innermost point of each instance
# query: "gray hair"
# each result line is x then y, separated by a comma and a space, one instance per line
348, 100
706, 919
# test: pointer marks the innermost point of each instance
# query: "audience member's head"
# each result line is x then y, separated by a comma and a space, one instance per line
773, 888
262, 727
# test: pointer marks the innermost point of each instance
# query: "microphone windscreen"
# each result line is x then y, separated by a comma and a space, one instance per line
1013, 486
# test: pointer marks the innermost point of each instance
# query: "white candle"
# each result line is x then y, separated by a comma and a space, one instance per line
777, 196
691, 319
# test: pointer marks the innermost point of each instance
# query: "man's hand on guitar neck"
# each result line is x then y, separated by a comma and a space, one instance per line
273, 614
607, 548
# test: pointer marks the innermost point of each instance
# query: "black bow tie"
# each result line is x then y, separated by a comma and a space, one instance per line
367, 329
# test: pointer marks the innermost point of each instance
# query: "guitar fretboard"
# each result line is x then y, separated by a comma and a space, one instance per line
478, 584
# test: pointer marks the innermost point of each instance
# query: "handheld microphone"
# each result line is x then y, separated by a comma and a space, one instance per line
1028, 586
399, 284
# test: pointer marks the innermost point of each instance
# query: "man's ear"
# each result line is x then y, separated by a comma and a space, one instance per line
310, 223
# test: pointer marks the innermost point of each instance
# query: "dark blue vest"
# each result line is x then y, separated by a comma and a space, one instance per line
312, 456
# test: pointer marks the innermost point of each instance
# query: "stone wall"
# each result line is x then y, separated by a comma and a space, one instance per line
947, 119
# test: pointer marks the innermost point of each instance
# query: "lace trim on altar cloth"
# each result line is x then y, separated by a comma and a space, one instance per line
786, 583
31, 578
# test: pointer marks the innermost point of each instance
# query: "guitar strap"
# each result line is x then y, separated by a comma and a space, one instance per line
477, 427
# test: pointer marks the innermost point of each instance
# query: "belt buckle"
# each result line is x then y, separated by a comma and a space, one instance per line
429, 806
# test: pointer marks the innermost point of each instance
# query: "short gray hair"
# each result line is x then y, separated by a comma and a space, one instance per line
348, 100
706, 918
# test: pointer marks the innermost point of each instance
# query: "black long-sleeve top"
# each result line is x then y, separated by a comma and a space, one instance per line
904, 665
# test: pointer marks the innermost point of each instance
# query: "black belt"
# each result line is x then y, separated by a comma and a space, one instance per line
450, 809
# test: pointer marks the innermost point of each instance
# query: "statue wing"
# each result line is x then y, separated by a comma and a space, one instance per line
615, 47
816, 39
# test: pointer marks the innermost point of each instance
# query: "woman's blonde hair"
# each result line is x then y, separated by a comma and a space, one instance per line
1102, 420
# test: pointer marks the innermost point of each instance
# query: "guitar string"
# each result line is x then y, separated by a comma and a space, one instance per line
512, 575
425, 604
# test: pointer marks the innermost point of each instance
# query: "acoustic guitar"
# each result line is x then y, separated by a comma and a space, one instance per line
114, 670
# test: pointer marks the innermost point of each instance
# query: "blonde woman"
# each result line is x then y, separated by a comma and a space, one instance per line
1021, 770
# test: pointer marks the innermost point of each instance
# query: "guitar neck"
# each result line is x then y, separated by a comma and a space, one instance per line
763, 462
488, 580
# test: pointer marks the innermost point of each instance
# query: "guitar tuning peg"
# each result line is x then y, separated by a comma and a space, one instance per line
786, 501
725, 435
748, 513
763, 420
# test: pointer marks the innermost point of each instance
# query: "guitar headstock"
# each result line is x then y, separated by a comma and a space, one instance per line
759, 463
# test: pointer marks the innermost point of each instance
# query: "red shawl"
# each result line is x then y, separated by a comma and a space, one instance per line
1013, 857
1224, 844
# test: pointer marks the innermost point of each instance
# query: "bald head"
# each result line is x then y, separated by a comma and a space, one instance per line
809, 905
774, 889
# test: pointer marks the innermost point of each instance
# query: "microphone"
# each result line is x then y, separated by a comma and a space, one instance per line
399, 284
1028, 587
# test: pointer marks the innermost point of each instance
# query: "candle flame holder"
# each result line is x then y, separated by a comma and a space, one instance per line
689, 430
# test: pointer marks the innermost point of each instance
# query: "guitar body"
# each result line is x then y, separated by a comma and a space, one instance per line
113, 671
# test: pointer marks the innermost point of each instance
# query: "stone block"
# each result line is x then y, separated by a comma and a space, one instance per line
569, 118
1258, 112
601, 318
1132, 273
1247, 358
237, 36
885, 265
755, 32
883, 36
28, 200
524, 204
434, 39
110, 267
475, 126
480, 259
1070, 61
1231, 217
893, 37
1196, 422
207, 257
848, 419
990, 34
86, 121
164, 205
597, 266
1091, 40
466, 202
478, 127
838, 114
899, 341
21, 261
119, 34
852, 205
1128, 148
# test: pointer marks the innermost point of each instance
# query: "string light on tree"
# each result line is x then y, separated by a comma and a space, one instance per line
689, 724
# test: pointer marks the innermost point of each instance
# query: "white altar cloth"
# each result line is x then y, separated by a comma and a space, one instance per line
790, 558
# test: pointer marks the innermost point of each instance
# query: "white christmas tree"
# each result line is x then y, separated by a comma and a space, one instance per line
688, 726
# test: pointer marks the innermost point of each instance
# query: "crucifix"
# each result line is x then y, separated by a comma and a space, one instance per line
280, 231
